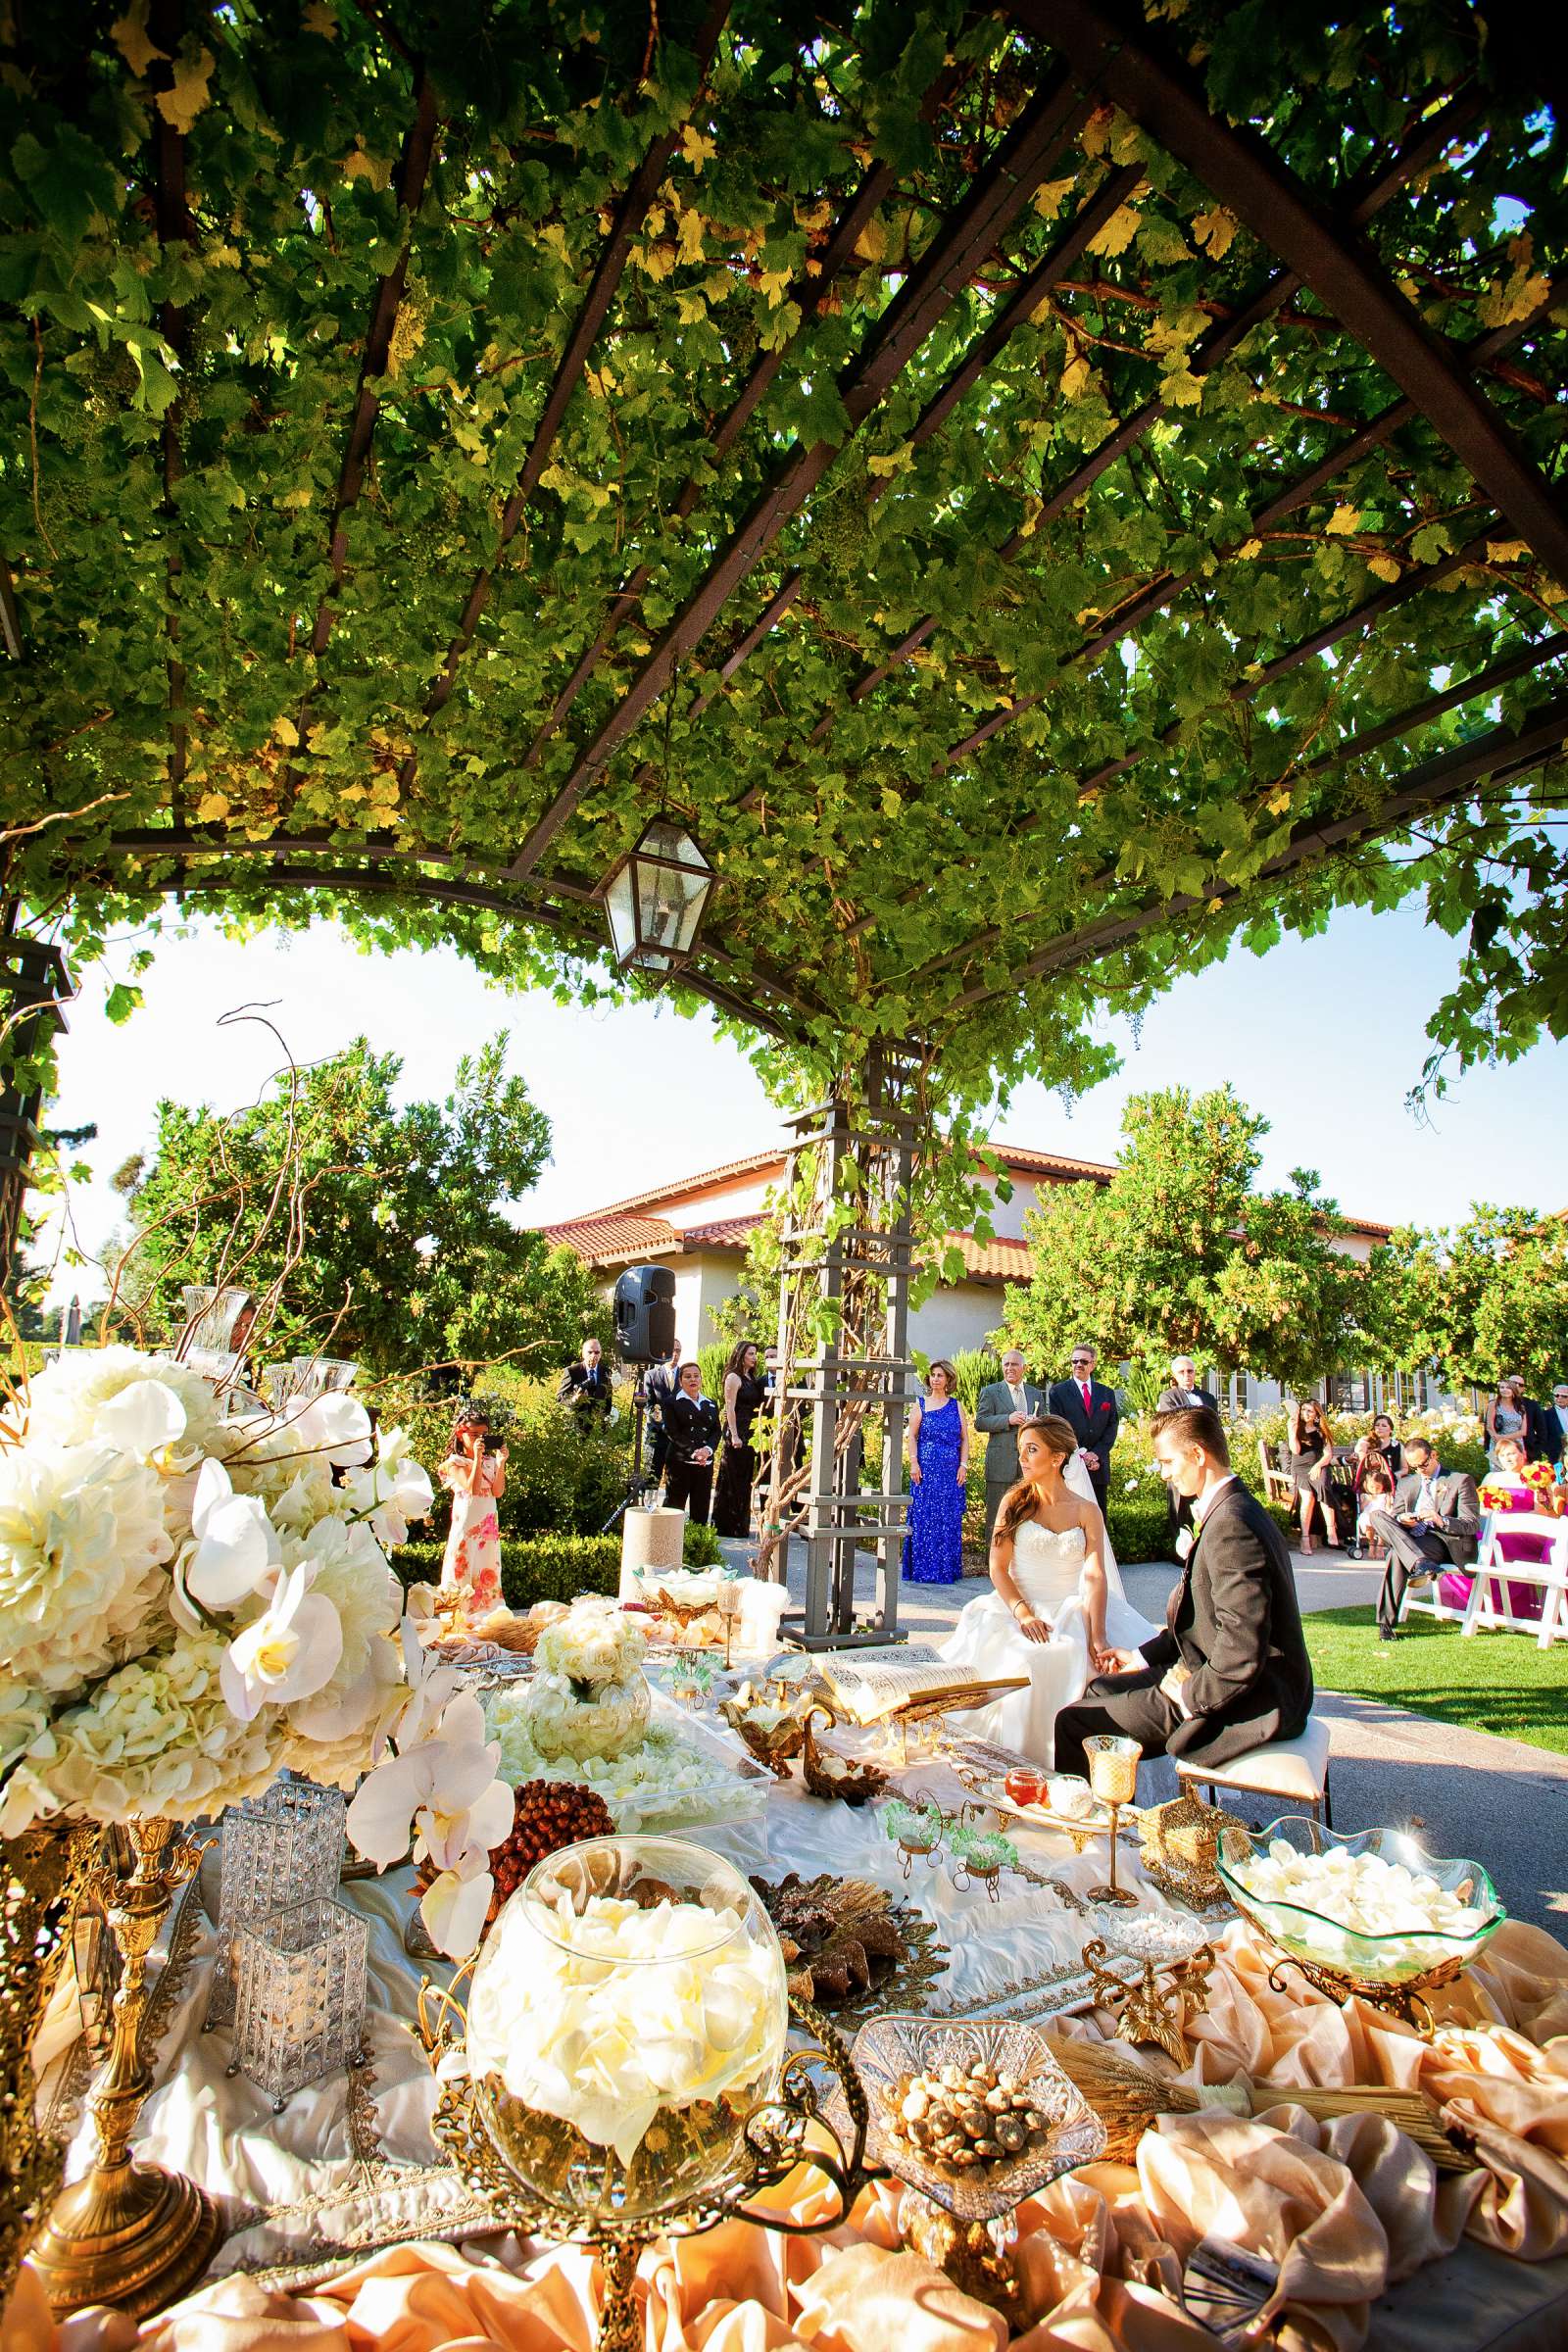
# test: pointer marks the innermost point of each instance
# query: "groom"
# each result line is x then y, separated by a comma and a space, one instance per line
1230, 1670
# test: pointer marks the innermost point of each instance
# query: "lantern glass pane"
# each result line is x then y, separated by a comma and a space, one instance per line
620, 907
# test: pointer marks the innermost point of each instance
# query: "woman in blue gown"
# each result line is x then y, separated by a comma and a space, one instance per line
938, 1448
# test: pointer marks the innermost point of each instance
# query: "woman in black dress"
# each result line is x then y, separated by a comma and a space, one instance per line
692, 1421
737, 1472
1311, 1450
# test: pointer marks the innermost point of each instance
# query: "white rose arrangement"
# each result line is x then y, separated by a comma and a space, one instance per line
191, 1604
595, 1642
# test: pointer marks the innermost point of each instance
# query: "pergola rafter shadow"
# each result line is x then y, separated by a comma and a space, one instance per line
854, 561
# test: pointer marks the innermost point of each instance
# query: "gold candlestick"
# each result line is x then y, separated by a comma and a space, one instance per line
1113, 1779
131, 2235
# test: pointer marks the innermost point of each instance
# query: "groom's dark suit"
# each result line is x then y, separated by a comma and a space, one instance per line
1234, 1622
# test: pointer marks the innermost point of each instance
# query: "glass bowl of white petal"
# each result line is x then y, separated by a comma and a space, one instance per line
627, 2014
1374, 1914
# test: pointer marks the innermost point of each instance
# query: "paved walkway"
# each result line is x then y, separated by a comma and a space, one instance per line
1499, 1800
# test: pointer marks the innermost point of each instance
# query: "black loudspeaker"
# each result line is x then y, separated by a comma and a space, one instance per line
645, 1313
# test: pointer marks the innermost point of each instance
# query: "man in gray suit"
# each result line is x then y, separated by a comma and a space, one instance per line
1435, 1524
1002, 1407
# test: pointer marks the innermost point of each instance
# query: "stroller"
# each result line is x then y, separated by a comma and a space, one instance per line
1337, 1494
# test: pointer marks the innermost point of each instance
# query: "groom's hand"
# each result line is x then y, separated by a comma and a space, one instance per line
1122, 1661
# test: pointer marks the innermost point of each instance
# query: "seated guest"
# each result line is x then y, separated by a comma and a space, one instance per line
1508, 1490
1554, 1424
585, 1387
692, 1421
1433, 1523
1374, 1490
1229, 1670
1379, 1440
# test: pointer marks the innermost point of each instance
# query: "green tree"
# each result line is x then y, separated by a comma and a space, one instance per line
384, 1229
1181, 1250
26, 1279
1485, 1297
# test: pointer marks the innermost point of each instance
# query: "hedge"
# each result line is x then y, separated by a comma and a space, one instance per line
555, 1567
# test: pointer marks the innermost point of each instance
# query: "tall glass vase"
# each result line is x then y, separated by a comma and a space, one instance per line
132, 2234
42, 1874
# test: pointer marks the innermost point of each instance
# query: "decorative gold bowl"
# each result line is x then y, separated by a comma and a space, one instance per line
773, 1733
828, 1771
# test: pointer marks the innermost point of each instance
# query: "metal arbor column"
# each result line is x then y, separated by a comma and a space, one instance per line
35, 982
850, 1265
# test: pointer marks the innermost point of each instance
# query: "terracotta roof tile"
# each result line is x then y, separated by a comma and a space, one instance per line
605, 1240
999, 1260
725, 1233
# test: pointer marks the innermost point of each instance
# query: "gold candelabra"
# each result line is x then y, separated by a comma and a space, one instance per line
132, 2234
42, 1875
1113, 1779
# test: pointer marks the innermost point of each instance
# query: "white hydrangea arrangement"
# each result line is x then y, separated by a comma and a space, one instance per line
667, 1782
190, 1603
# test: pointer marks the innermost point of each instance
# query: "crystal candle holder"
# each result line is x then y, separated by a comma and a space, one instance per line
299, 1997
277, 1849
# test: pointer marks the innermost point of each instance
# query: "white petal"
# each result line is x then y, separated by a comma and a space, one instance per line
212, 1485
381, 1819
141, 1417
453, 1909
492, 1814
238, 1548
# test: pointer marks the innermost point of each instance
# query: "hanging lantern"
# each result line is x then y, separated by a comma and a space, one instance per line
654, 900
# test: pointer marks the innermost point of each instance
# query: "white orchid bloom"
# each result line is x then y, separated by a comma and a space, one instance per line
334, 1425
454, 1905
442, 1781
431, 1689
234, 1548
142, 1419
290, 1652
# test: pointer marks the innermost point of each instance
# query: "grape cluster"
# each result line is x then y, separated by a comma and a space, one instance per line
548, 1815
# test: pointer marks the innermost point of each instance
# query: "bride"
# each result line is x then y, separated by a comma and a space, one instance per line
1056, 1610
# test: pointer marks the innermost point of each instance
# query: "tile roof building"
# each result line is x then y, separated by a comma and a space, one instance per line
701, 1224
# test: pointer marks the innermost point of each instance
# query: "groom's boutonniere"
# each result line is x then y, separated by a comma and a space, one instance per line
1184, 1539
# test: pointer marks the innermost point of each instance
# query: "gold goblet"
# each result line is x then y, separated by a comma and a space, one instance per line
1113, 1779
728, 1601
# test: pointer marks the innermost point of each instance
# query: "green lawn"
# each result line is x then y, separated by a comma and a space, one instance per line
1497, 1682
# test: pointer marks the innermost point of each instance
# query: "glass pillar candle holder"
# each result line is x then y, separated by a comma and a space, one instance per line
277, 1849
299, 1997
1113, 1779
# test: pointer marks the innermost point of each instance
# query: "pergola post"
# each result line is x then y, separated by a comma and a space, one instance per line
35, 982
844, 1335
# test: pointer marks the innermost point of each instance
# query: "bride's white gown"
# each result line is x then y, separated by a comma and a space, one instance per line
1047, 1570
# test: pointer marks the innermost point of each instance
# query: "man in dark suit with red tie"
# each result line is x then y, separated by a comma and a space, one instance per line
1229, 1669
1092, 1414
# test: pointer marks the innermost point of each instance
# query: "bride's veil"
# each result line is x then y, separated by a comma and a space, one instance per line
1077, 1478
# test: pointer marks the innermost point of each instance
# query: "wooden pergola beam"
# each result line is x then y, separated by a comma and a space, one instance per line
359, 884
1374, 189
806, 292
1485, 682
1110, 49
408, 180
994, 200
601, 287
1433, 784
10, 616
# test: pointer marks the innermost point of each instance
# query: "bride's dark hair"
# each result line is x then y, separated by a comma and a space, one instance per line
1018, 1504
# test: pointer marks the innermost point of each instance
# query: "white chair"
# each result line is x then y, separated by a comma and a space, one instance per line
1295, 1771
1488, 1608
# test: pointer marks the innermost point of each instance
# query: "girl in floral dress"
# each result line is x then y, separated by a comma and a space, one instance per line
476, 1479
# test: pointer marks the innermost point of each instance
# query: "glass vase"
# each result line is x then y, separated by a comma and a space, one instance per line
567, 1717
627, 2014
277, 1849
299, 1997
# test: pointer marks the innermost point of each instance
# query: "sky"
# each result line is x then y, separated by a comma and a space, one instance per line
1325, 1037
